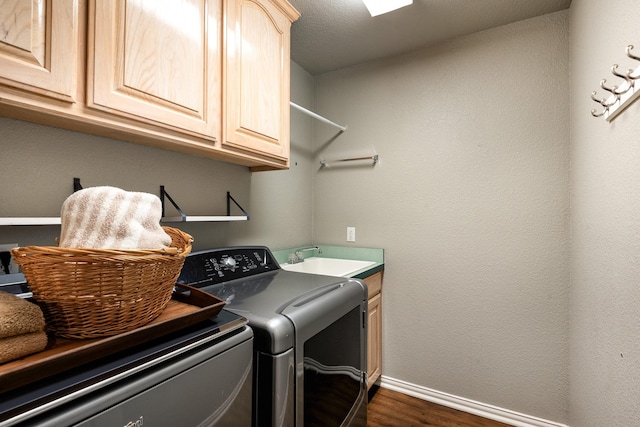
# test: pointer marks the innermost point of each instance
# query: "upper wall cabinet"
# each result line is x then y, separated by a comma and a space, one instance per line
39, 46
257, 80
197, 76
157, 60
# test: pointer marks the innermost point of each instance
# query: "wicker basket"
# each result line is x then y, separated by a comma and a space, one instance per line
89, 293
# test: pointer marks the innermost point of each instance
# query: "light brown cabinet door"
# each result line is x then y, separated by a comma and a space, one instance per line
39, 46
157, 61
374, 353
374, 328
256, 87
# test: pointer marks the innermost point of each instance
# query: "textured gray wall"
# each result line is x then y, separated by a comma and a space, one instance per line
470, 202
605, 206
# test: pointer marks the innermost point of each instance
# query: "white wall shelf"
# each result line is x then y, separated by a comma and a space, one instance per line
163, 194
30, 221
200, 218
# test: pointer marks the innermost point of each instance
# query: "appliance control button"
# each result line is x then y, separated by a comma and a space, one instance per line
229, 262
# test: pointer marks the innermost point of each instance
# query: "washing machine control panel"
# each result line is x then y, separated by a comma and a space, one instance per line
214, 266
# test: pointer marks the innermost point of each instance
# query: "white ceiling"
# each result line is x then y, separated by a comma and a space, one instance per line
333, 34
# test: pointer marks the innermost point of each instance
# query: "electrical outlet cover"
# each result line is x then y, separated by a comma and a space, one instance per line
351, 234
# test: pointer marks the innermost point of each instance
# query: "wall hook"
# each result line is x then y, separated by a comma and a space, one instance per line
626, 78
594, 113
637, 58
631, 76
603, 101
608, 89
630, 55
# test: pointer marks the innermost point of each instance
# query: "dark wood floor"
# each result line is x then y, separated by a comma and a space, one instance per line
388, 408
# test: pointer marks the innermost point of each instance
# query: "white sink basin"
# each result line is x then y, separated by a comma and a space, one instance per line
328, 266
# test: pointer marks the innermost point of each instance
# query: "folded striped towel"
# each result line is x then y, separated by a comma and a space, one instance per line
112, 218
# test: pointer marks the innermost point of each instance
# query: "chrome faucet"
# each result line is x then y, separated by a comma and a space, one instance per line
298, 255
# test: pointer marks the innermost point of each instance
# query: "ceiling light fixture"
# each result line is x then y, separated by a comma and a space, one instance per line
378, 7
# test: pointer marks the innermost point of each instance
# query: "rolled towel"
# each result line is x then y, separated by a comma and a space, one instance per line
18, 346
112, 218
19, 316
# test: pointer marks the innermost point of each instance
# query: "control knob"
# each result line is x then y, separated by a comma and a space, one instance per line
229, 262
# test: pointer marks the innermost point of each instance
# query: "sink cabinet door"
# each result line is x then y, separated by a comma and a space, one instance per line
256, 89
374, 331
39, 47
374, 353
157, 61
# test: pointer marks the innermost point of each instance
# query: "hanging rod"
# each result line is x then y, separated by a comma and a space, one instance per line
317, 116
374, 158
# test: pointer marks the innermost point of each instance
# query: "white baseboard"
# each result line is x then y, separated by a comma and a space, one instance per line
466, 405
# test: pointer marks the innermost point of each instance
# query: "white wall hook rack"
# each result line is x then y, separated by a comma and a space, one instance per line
620, 96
